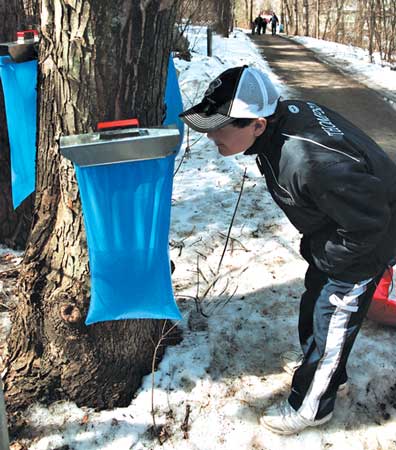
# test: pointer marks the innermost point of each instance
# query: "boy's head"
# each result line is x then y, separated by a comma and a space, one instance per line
234, 108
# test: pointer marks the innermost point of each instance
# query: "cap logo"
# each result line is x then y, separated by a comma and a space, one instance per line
294, 109
212, 86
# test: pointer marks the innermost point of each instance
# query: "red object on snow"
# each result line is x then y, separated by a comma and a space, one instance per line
383, 305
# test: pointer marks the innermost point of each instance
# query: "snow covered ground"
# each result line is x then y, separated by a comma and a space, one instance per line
210, 390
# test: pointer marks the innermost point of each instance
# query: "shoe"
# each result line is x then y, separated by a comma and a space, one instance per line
283, 419
292, 360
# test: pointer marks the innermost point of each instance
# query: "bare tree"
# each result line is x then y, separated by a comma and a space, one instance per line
98, 60
289, 19
371, 26
296, 21
247, 17
359, 24
224, 16
391, 46
306, 17
317, 19
366, 23
282, 14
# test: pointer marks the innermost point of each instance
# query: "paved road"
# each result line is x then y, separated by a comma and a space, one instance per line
314, 80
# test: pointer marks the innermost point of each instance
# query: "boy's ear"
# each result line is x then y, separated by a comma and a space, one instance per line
259, 126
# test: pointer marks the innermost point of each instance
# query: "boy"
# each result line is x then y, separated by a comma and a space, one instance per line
338, 188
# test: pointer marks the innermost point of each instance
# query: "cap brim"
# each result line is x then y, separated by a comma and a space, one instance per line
196, 119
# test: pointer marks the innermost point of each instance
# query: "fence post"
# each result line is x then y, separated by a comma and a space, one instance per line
209, 41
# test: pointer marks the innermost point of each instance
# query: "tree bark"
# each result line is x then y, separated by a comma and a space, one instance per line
282, 14
289, 19
224, 16
306, 17
99, 60
392, 35
14, 224
371, 25
295, 17
251, 14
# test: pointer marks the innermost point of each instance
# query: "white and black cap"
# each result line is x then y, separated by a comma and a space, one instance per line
238, 93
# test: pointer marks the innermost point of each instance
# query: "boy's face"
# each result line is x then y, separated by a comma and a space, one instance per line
231, 140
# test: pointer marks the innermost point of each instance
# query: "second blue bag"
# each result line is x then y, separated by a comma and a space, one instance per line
19, 82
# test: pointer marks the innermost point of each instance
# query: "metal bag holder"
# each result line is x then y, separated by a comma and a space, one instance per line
125, 179
113, 146
18, 73
24, 48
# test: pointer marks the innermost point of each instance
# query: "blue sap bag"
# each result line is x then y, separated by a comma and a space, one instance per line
126, 209
19, 82
173, 100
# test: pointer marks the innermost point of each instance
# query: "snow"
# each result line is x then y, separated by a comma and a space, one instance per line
210, 390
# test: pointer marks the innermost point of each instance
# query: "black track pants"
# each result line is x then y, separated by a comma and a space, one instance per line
331, 314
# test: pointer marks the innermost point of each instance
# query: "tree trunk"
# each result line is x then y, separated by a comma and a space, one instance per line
251, 14
99, 60
338, 25
247, 12
380, 29
371, 25
295, 17
14, 224
324, 35
359, 24
289, 19
224, 16
282, 14
306, 17
392, 34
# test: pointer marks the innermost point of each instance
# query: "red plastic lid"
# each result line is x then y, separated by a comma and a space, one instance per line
118, 124
21, 34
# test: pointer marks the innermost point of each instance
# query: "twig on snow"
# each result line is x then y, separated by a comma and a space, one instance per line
158, 431
235, 240
232, 221
184, 426
225, 302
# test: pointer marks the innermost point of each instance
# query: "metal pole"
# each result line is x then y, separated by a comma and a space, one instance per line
209, 41
4, 442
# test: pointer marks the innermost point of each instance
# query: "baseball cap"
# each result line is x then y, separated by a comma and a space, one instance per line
238, 93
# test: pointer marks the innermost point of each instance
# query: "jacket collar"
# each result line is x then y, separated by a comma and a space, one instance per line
272, 138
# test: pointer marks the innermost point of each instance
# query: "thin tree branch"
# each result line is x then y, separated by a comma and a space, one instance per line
232, 221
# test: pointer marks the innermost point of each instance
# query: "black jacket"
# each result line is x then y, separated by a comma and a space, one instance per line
335, 185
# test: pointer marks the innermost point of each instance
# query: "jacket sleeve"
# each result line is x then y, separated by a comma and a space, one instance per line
358, 211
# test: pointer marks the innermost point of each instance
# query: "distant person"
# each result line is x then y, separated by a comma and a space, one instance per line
274, 21
338, 188
264, 25
258, 21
